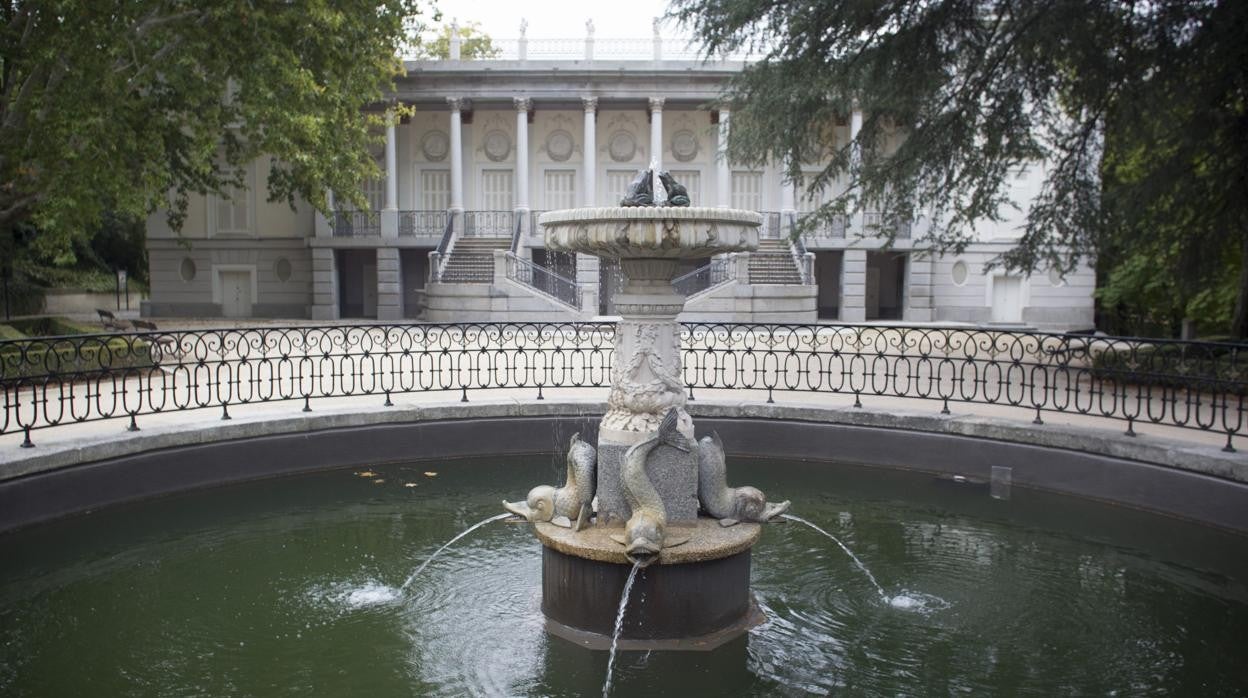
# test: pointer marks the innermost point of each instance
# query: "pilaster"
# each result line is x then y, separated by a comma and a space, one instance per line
324, 284
854, 285
389, 285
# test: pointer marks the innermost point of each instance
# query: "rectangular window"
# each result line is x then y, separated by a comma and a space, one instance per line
747, 190
496, 190
691, 180
560, 189
234, 207
435, 190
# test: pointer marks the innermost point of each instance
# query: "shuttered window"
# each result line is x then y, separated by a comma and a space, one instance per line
496, 190
435, 190
747, 190
235, 206
560, 189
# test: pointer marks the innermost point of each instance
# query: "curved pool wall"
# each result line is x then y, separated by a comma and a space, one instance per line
1197, 483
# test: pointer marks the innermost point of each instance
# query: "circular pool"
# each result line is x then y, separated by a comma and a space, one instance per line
289, 586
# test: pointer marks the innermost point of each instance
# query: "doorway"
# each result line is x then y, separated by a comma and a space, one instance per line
236, 297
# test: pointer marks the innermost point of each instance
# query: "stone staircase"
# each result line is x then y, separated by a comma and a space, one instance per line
472, 260
773, 264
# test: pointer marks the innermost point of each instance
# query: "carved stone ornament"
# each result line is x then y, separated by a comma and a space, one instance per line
622, 147
684, 145
559, 145
497, 146
644, 388
435, 145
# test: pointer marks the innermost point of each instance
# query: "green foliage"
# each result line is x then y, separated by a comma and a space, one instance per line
1137, 109
474, 43
130, 107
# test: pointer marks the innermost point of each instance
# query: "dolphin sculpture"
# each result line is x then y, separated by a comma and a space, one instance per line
562, 505
644, 534
730, 505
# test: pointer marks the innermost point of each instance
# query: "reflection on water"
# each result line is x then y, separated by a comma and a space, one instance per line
290, 587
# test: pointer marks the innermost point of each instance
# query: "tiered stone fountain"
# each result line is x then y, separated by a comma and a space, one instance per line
651, 495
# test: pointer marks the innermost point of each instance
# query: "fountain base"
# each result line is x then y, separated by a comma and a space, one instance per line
697, 596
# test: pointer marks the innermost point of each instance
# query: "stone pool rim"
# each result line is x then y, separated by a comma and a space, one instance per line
1188, 481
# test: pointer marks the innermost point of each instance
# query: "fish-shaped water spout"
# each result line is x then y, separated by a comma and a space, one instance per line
563, 505
729, 504
645, 533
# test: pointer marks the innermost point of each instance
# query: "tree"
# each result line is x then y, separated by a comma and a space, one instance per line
129, 107
1138, 110
474, 43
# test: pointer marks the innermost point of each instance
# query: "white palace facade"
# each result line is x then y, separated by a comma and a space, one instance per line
489, 144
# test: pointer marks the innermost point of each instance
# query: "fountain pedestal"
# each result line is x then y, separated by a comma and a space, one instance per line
694, 591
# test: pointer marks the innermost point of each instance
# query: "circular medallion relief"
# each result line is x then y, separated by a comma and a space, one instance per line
622, 146
435, 145
187, 269
959, 273
559, 145
1056, 278
497, 146
684, 145
282, 269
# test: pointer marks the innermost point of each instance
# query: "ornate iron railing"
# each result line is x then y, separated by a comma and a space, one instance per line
350, 223
488, 224
422, 223
545, 281
56, 381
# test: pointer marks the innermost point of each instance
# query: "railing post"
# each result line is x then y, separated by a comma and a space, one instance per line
500, 265
455, 40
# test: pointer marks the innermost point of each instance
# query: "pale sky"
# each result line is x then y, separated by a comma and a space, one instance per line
620, 19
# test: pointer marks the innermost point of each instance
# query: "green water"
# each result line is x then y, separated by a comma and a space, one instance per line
287, 588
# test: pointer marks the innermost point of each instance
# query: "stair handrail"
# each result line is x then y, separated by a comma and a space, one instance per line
437, 258
553, 285
515, 237
802, 259
716, 272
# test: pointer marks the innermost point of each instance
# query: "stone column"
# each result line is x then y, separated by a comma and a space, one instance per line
390, 212
523, 105
590, 161
723, 173
389, 285
324, 284
854, 286
457, 160
656, 131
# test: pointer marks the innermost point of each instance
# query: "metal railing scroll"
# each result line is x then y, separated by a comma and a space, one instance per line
54, 381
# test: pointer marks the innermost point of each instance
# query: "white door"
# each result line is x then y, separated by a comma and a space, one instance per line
370, 290
1007, 299
560, 189
236, 293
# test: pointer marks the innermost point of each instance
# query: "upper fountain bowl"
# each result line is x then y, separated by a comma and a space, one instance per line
663, 232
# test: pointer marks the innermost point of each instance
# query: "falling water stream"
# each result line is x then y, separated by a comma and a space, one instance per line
884, 596
449, 543
619, 625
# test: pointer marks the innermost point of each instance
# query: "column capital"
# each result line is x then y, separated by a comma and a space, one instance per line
656, 103
456, 103
523, 104
590, 104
